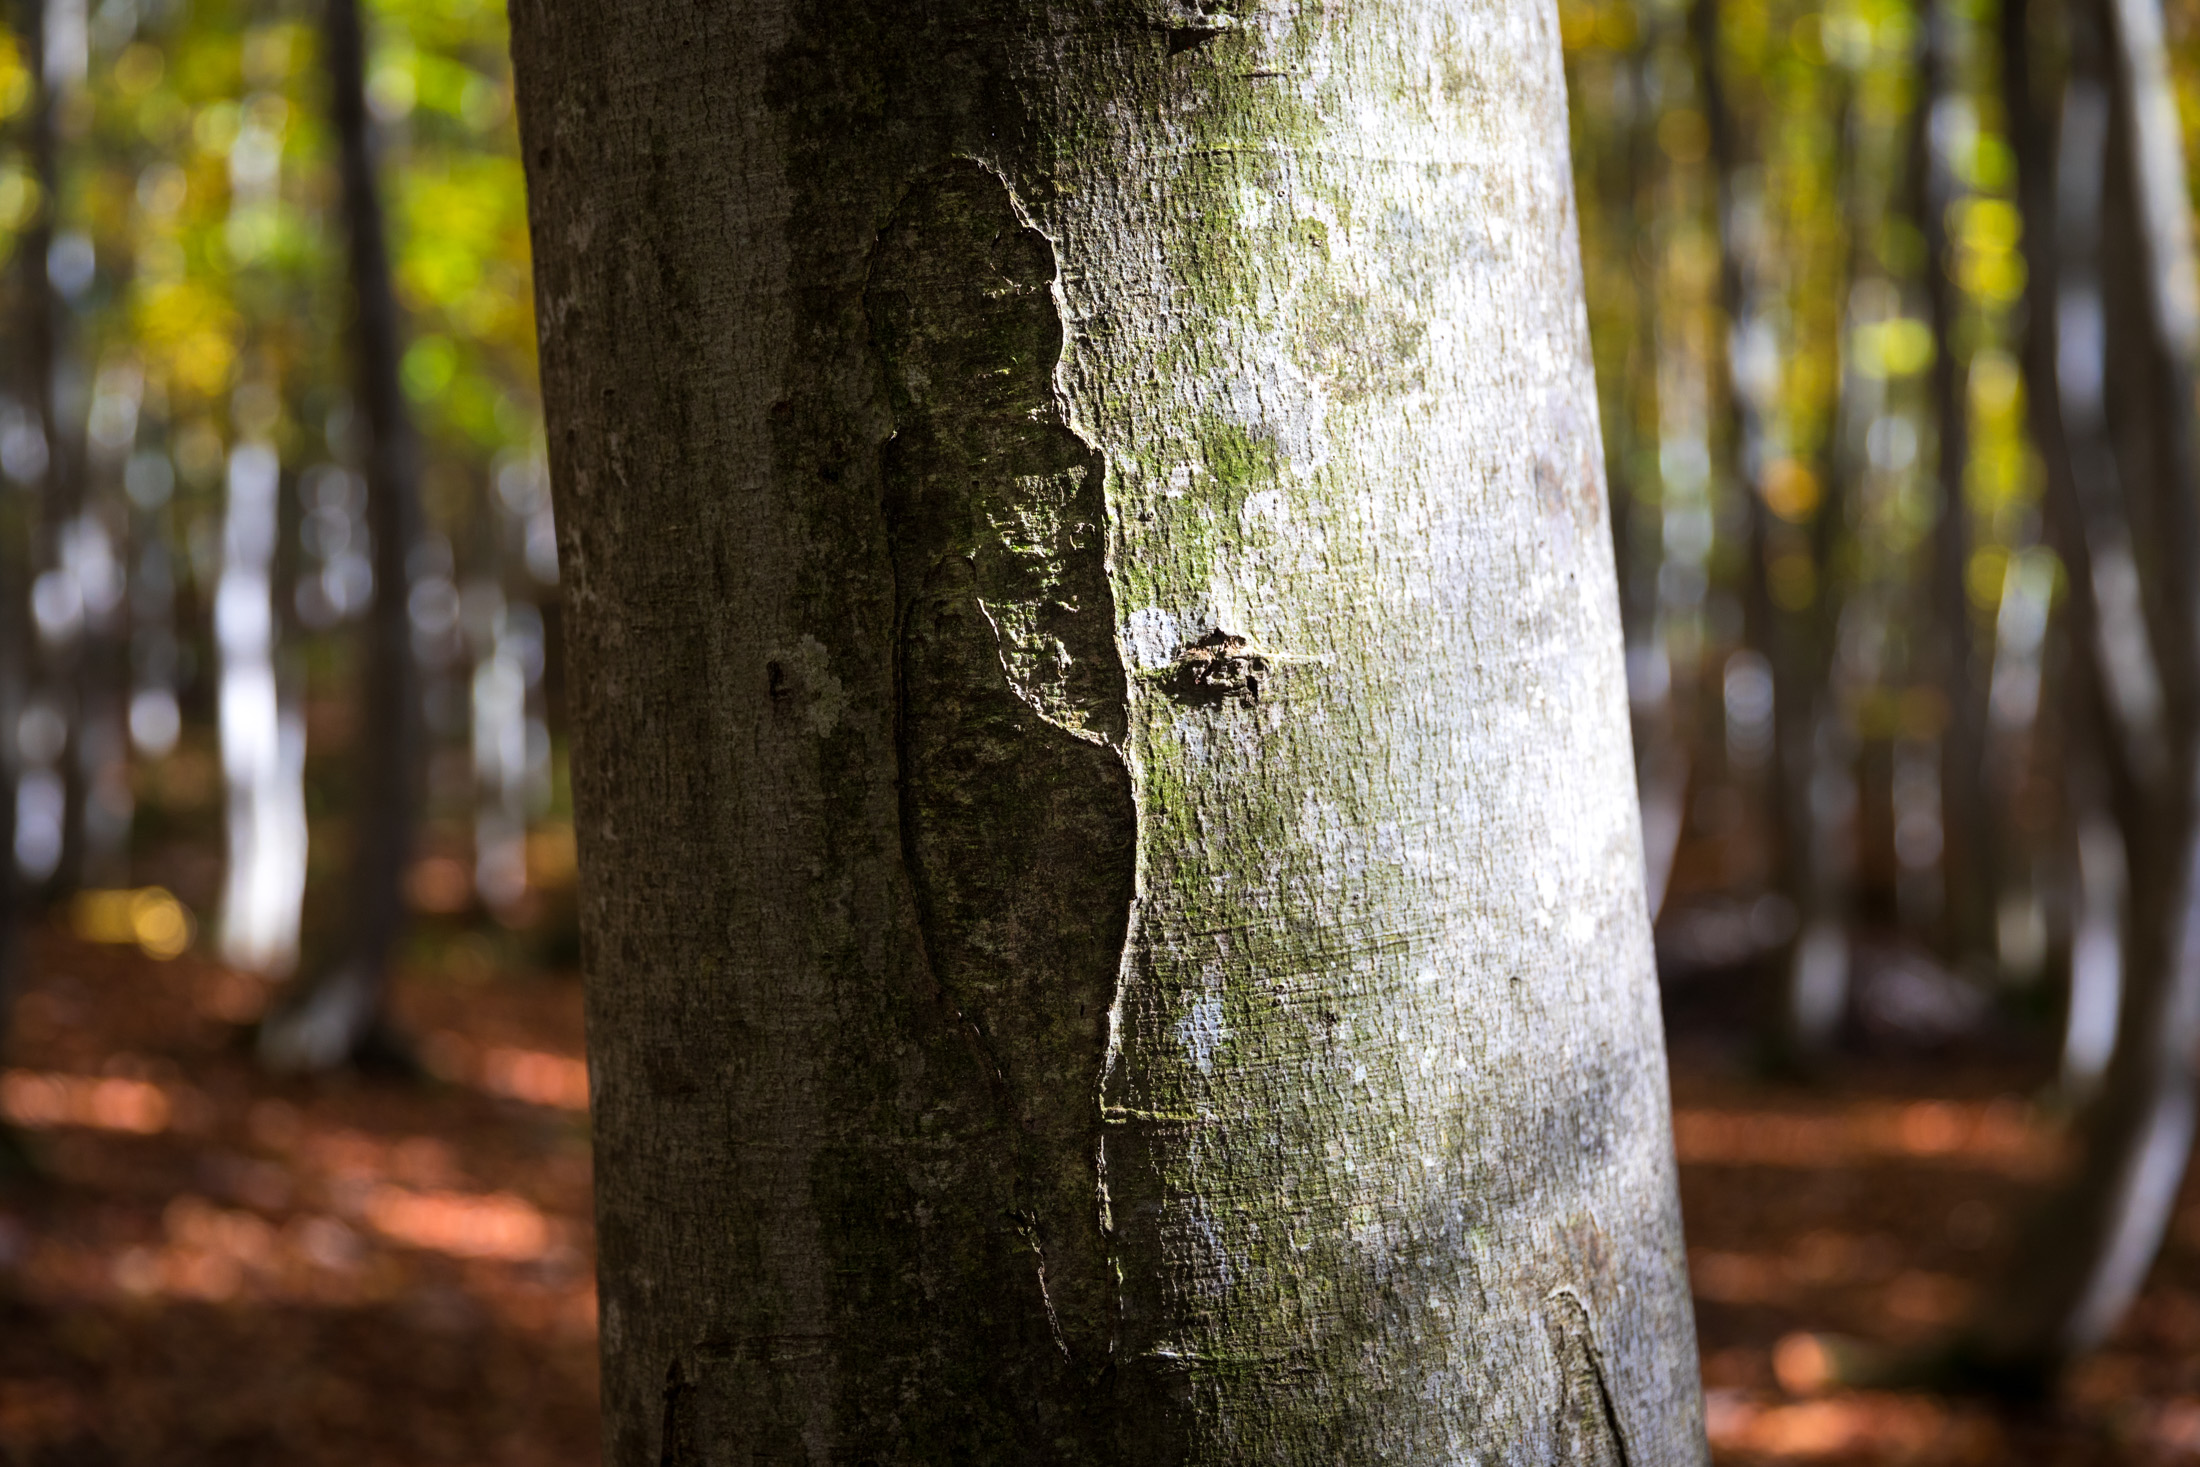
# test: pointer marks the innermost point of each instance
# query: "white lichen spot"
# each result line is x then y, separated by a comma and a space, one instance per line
1201, 1033
1152, 635
1546, 898
1263, 515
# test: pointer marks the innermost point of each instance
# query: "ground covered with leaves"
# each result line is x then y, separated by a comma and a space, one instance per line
220, 1267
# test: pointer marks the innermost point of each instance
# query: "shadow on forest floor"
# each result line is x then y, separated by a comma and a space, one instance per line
227, 1268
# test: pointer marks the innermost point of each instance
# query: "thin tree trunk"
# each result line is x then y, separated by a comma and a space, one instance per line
261, 749
340, 1017
1819, 778
1968, 878
2119, 720
2125, 353
1816, 964
1661, 746
23, 539
1111, 886
15, 653
44, 342
1764, 627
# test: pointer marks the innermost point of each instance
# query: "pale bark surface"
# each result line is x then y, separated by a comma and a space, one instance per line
1111, 886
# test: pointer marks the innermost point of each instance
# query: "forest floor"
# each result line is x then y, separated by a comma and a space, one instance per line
220, 1267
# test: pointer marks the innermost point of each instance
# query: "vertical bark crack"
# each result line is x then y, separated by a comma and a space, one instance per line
1018, 824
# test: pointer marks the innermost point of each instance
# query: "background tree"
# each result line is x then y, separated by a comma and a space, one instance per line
340, 1016
2126, 348
1112, 897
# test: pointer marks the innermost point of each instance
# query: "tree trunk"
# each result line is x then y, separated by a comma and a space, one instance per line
57, 664
15, 650
15, 657
1111, 885
2125, 475
262, 742
1968, 877
339, 1018
1661, 739
1815, 979
1820, 778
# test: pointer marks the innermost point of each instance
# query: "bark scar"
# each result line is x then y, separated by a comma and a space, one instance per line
1018, 823
1588, 1427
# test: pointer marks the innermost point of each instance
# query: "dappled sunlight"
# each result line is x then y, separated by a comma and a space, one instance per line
41, 1102
2000, 1134
1880, 1208
532, 1075
458, 1223
345, 1236
1863, 1427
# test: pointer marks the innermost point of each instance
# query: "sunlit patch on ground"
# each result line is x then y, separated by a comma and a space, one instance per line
1879, 1206
226, 1269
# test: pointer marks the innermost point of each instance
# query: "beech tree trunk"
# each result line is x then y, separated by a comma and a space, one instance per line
1968, 879
339, 1017
1111, 886
1797, 643
43, 345
2123, 344
15, 662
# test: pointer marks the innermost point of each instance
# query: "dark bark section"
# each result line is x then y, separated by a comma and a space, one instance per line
1017, 820
814, 1165
339, 1018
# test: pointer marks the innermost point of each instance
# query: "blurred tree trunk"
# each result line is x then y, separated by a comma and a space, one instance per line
1815, 981
1819, 770
45, 318
2120, 340
14, 665
1111, 889
339, 1017
22, 527
1967, 868
1662, 763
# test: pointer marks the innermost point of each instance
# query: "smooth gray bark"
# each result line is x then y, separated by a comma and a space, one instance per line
1111, 889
